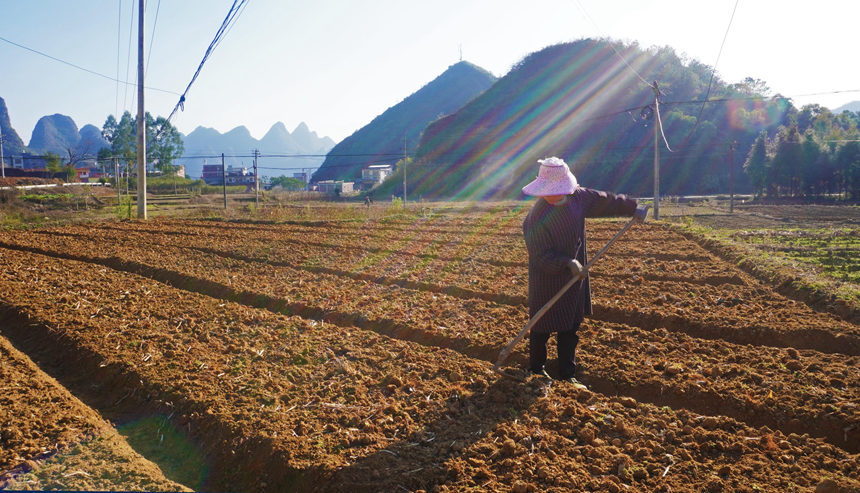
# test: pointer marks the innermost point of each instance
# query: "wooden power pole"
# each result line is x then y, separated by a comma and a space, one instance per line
141, 119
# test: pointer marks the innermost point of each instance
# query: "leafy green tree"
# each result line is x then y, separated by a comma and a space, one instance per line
751, 87
121, 136
848, 164
53, 163
163, 142
288, 183
757, 163
787, 162
812, 158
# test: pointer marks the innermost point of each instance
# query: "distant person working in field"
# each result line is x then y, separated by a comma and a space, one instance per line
554, 233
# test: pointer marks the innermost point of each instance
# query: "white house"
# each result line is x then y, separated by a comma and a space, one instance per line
375, 173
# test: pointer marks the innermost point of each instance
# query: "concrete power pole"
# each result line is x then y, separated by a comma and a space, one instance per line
116, 180
256, 181
656, 155
404, 171
141, 119
2, 162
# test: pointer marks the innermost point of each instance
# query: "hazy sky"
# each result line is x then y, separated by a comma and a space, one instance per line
336, 64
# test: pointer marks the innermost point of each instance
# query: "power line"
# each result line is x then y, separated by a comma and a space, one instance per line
118, 32
82, 68
151, 39
398, 155
232, 15
660, 118
611, 45
240, 10
128, 57
713, 71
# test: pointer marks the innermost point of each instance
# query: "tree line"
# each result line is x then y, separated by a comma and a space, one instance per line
816, 154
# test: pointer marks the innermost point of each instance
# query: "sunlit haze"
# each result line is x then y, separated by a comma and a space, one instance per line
336, 64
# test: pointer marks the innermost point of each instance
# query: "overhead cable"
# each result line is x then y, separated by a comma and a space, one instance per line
711, 80
611, 45
151, 39
128, 57
118, 35
84, 69
231, 17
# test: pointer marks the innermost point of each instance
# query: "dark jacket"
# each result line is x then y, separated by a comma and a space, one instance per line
553, 236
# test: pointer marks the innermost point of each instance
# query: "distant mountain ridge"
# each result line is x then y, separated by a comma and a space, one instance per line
55, 133
852, 106
382, 140
12, 143
59, 134
275, 147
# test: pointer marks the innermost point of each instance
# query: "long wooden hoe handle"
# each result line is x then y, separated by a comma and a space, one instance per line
537, 316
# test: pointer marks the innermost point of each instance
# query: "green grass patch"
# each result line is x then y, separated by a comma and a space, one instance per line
834, 252
47, 197
819, 260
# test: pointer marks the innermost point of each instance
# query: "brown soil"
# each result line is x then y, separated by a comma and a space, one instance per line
51, 440
356, 355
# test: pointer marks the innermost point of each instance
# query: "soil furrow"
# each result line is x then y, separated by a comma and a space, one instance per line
832, 429
379, 412
47, 434
237, 288
804, 338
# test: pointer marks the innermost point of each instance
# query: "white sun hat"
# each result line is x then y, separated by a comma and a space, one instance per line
554, 178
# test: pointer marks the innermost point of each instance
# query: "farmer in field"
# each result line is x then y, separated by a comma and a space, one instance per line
554, 233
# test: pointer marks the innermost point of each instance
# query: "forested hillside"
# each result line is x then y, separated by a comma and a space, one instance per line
591, 102
382, 140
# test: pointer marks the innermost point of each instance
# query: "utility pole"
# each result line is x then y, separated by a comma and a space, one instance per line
404, 170
116, 180
656, 155
256, 181
732, 145
141, 118
2, 162
224, 179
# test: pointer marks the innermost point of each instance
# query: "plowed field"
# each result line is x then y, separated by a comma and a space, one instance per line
356, 356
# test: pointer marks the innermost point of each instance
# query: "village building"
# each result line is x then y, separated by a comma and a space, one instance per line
375, 174
336, 187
